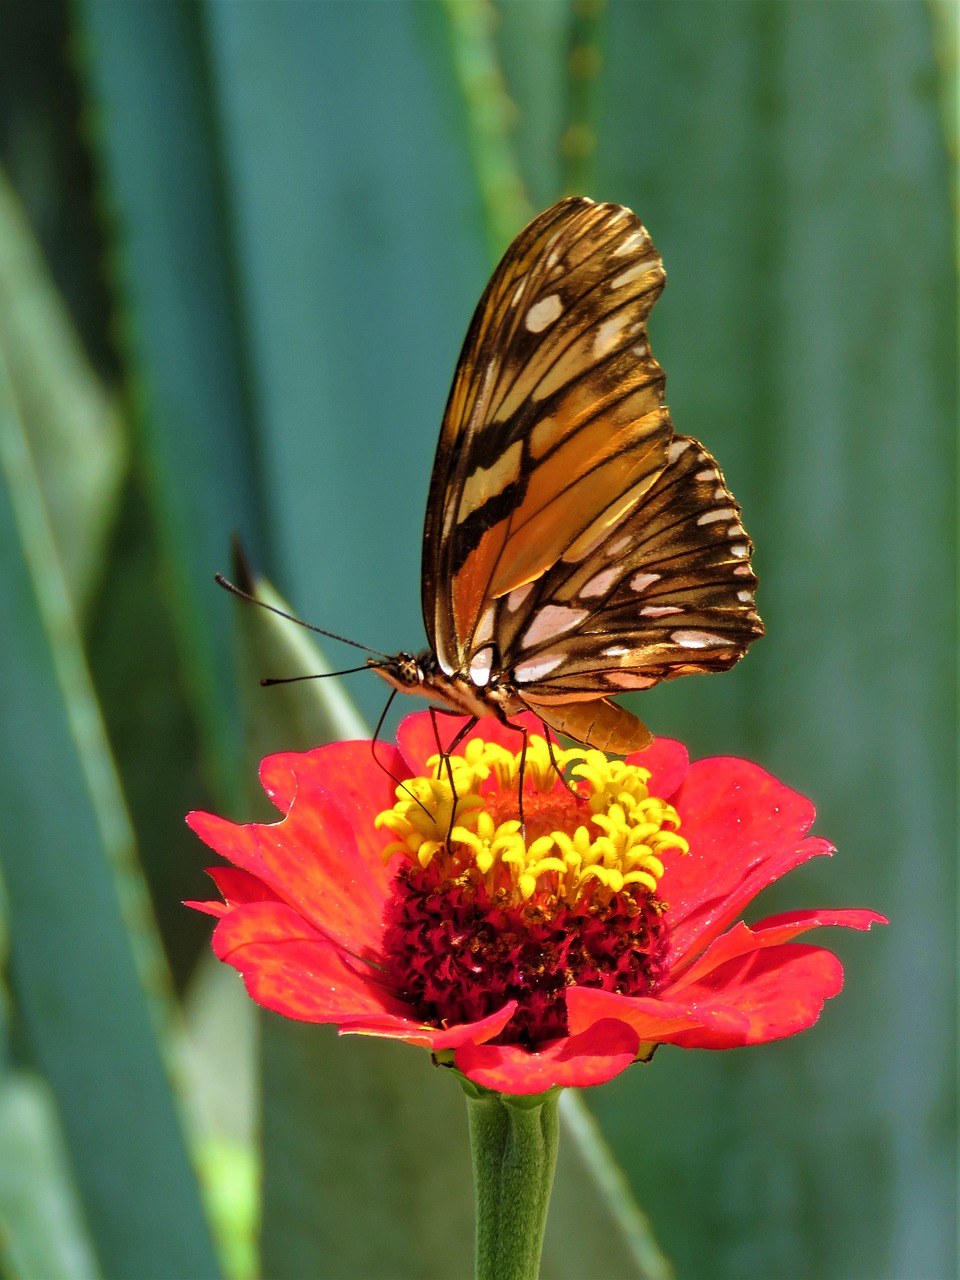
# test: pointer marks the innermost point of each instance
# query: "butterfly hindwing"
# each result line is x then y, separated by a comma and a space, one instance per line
668, 592
555, 427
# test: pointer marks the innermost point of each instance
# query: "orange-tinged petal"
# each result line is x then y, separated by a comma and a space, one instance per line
745, 830
310, 859
743, 938
291, 968
596, 1055
433, 1038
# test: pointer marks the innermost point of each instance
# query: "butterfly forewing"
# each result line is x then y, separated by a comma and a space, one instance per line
555, 427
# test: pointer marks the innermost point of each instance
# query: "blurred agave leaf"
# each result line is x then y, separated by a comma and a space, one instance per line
791, 169
178, 322
75, 431
552, 54
490, 119
595, 1227
41, 1220
533, 42
359, 250
285, 717
322, 1152
86, 970
42, 1232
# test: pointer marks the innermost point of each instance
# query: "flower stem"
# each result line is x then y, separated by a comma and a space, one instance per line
514, 1144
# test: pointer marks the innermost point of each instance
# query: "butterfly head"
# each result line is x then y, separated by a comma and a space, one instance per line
405, 671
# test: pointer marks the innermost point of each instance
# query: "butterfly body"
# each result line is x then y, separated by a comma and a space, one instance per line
575, 547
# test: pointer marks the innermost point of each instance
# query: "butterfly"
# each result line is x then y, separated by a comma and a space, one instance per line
575, 547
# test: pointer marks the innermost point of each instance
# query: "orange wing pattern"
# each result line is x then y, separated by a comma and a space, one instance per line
574, 547
555, 426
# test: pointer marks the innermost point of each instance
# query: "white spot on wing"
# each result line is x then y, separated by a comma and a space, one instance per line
722, 513
550, 621
518, 292
634, 241
742, 569
615, 651
543, 313
698, 639
745, 596
480, 665
740, 549
621, 544
629, 679
599, 584
659, 610
517, 596
675, 449
606, 336
537, 668
640, 581
634, 273
484, 629
708, 473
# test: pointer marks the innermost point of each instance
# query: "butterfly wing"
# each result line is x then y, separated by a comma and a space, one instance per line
555, 427
668, 591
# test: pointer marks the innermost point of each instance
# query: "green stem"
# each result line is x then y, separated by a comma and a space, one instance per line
514, 1144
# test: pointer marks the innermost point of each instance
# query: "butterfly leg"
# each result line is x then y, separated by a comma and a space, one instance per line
553, 760
446, 754
522, 730
379, 763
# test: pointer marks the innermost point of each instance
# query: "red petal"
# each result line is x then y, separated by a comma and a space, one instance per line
433, 1038
292, 969
417, 738
743, 938
208, 908
236, 886
667, 761
597, 1055
311, 860
745, 831
654, 1020
747, 987
777, 991
239, 886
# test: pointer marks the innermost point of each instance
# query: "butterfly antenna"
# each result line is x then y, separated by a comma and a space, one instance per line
267, 681
331, 635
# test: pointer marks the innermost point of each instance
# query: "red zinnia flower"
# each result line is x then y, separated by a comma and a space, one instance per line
553, 955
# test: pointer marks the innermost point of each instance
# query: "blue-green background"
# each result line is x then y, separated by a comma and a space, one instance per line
239, 246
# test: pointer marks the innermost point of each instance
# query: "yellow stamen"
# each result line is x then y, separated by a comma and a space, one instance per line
617, 836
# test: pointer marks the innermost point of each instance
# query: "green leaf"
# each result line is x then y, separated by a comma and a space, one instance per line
83, 953
594, 1226
534, 43
76, 433
42, 1232
789, 163
360, 255
489, 119
178, 323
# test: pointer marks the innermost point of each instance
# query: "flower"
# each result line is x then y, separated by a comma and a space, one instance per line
406, 896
